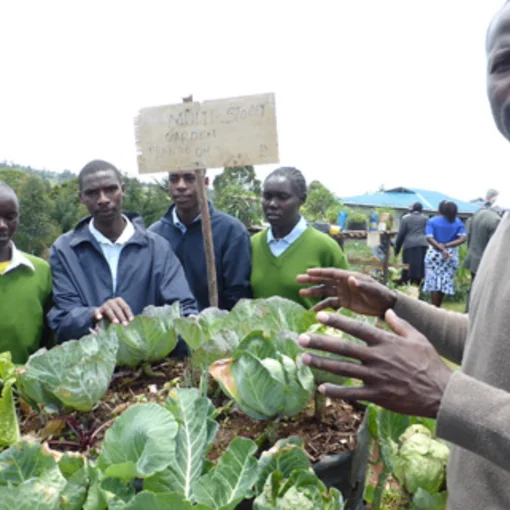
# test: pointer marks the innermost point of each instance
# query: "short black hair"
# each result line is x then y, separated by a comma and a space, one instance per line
450, 210
7, 189
417, 207
97, 165
296, 178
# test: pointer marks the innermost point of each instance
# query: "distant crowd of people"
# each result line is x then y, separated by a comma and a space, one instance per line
110, 266
430, 246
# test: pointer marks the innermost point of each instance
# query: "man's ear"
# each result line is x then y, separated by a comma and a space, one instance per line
123, 188
206, 181
80, 197
304, 199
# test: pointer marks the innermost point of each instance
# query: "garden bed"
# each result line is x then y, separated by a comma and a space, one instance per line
335, 432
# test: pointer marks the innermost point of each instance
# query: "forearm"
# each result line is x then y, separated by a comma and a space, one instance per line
434, 244
457, 242
446, 331
475, 416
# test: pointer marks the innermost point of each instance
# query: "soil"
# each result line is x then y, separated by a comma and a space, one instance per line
334, 433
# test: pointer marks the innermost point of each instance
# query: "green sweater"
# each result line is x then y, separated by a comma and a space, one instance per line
25, 298
276, 276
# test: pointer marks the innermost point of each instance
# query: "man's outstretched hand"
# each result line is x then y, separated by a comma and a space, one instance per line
401, 371
346, 289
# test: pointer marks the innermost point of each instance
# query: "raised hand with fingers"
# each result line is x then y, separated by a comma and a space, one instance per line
401, 371
346, 289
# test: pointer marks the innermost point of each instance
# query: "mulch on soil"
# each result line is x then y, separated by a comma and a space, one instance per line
334, 433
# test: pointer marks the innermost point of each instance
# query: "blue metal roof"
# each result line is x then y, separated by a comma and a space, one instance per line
402, 198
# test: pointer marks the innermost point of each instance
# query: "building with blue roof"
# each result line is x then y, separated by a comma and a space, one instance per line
402, 198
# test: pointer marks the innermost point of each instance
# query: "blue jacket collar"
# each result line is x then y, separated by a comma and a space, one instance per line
168, 217
81, 233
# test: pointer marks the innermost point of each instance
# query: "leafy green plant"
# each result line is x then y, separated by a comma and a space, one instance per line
9, 428
74, 375
266, 377
148, 338
418, 466
269, 315
421, 460
140, 443
286, 480
31, 476
301, 490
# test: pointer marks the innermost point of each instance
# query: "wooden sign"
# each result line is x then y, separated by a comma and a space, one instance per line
212, 134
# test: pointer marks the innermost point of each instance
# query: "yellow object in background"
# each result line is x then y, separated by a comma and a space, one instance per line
4, 266
334, 229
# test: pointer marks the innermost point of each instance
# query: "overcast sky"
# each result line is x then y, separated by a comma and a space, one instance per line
368, 93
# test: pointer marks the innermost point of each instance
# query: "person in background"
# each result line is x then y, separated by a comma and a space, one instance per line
480, 228
289, 246
444, 233
181, 226
25, 288
411, 239
110, 267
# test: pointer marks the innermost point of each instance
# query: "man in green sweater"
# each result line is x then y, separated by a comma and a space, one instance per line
403, 371
289, 247
25, 288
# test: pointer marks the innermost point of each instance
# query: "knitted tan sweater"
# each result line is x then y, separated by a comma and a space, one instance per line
475, 411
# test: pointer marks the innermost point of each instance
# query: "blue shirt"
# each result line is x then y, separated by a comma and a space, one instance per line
278, 247
443, 231
179, 224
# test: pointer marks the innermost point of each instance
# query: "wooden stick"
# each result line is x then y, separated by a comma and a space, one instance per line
212, 284
387, 249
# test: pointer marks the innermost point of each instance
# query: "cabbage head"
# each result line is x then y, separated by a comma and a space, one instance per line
266, 377
421, 460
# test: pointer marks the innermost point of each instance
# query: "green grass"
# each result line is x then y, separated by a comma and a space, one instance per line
455, 307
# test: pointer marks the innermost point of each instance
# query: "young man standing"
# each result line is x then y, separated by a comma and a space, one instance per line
25, 288
110, 266
182, 227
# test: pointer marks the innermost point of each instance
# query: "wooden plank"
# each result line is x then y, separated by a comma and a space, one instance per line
210, 134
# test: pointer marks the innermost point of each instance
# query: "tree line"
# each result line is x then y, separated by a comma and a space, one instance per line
49, 203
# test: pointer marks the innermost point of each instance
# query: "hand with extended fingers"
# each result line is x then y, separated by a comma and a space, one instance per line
400, 371
346, 289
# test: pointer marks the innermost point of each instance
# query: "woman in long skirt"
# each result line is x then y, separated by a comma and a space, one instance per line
445, 233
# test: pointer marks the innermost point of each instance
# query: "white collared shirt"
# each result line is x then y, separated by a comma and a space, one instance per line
179, 224
17, 260
278, 247
112, 251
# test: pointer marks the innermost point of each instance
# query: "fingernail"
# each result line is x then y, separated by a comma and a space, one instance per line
304, 340
306, 358
321, 389
323, 317
125, 323
115, 321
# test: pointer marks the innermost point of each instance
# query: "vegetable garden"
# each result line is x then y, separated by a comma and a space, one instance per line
110, 421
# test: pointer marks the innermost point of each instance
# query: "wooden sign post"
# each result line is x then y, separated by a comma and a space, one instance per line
193, 136
210, 262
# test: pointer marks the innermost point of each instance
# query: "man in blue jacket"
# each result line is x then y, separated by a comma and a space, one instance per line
110, 266
181, 226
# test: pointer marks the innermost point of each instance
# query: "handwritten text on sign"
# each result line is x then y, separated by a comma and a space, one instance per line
212, 134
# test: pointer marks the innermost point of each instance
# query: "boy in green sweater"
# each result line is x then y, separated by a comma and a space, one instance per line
25, 288
289, 247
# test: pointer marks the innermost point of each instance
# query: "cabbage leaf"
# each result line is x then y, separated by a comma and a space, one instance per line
74, 375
